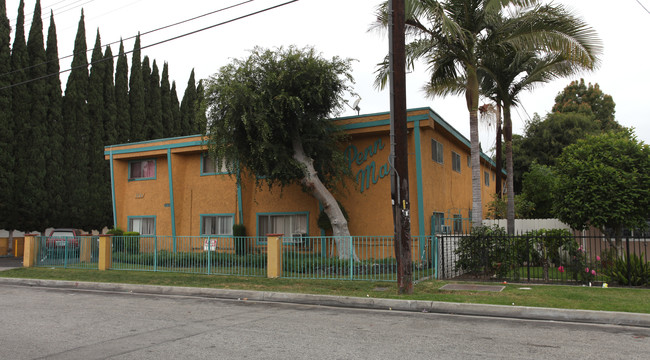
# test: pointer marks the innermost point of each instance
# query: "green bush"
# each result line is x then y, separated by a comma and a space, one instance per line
128, 242
115, 232
549, 248
241, 242
489, 251
639, 271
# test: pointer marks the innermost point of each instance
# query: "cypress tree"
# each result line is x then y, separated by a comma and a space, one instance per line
136, 95
109, 113
20, 108
97, 179
155, 107
6, 125
55, 184
201, 119
122, 117
176, 111
32, 159
166, 103
188, 107
146, 75
77, 134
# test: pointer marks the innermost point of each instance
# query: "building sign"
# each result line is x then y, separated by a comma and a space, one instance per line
369, 173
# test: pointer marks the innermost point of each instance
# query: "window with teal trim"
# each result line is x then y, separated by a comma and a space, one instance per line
458, 224
209, 166
486, 175
145, 225
455, 161
437, 152
438, 222
216, 224
290, 225
142, 169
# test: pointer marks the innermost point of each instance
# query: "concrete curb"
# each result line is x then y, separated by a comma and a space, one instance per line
517, 312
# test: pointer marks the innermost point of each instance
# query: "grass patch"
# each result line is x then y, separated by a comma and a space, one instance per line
552, 296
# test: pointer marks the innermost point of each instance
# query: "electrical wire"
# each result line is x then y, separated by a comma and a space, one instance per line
134, 36
644, 8
157, 43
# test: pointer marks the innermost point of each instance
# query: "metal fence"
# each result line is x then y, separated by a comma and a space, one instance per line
556, 256
79, 252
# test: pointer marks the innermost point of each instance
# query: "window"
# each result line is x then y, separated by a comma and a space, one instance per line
145, 225
209, 166
486, 175
437, 151
455, 161
438, 222
216, 224
294, 225
142, 169
469, 161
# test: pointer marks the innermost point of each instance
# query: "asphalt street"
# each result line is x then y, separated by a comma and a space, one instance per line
63, 323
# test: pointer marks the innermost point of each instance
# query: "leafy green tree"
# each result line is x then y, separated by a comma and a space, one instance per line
176, 111
269, 114
199, 106
154, 117
136, 95
77, 134
166, 103
20, 108
109, 113
452, 38
590, 101
188, 108
123, 116
537, 186
603, 181
6, 125
55, 184
31, 160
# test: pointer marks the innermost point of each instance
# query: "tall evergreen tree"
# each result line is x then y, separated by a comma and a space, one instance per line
109, 113
176, 111
122, 117
136, 95
154, 117
146, 75
188, 108
166, 103
77, 134
20, 108
55, 184
98, 213
6, 125
201, 120
31, 160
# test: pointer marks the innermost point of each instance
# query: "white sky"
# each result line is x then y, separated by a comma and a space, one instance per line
339, 28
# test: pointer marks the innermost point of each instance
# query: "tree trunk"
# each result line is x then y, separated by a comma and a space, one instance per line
499, 186
311, 181
507, 134
471, 96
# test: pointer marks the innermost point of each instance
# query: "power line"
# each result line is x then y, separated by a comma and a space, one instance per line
644, 8
132, 37
157, 43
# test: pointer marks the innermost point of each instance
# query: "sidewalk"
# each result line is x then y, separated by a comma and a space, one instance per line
517, 312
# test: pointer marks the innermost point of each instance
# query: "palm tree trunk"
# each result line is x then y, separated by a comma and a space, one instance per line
499, 186
311, 181
507, 134
471, 96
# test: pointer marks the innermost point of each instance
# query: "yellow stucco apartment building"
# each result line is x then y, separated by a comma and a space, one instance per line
170, 187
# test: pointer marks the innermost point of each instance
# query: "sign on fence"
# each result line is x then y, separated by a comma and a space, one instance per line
209, 244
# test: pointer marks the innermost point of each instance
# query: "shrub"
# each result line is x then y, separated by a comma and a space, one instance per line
128, 242
241, 243
550, 247
639, 271
488, 251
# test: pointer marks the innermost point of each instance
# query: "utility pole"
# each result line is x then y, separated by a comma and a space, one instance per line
398, 147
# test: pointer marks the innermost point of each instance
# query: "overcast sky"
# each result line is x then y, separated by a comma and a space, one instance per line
340, 28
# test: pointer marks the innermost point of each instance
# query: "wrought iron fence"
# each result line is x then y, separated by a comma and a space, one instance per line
542, 256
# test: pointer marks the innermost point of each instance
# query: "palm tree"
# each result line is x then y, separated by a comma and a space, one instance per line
509, 71
453, 38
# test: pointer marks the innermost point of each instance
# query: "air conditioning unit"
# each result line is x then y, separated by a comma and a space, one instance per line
299, 238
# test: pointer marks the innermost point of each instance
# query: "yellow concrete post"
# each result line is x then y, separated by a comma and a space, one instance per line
105, 252
274, 255
4, 246
31, 249
19, 247
85, 248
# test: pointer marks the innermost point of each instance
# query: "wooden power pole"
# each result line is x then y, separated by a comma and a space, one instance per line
398, 146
